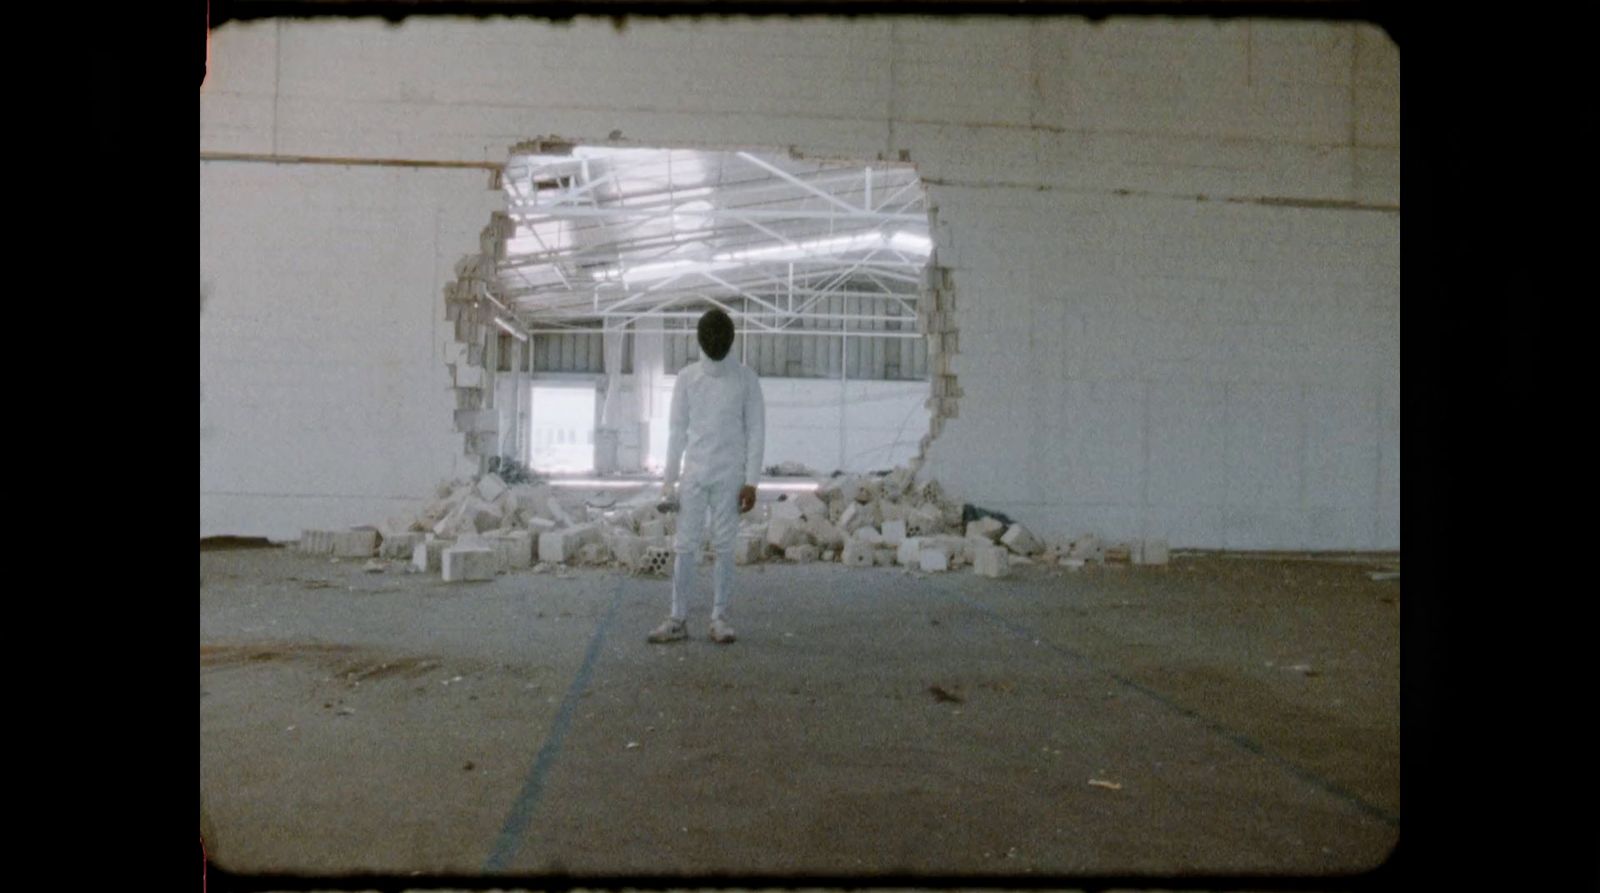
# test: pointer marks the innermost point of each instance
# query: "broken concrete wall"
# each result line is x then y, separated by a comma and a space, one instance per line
1173, 246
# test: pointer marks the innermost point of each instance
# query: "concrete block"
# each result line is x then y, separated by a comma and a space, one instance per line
970, 546
868, 535
925, 520
467, 563
894, 533
907, 555
399, 546
1121, 553
858, 554
782, 534
1073, 564
563, 545
594, 553
991, 561
434, 512
988, 528
811, 508
1154, 552
933, 560
559, 512
786, 510
1086, 547
1019, 540
626, 549
428, 555
892, 511
653, 528
516, 547
748, 549
316, 542
538, 526
857, 515
484, 516
657, 560
825, 534
802, 554
828, 491
355, 543
882, 556
490, 486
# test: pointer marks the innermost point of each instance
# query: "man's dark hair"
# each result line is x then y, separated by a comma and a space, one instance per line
716, 334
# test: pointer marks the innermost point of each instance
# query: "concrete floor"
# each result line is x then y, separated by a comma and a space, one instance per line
1242, 715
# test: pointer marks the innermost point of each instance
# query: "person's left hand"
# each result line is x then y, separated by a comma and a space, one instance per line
747, 498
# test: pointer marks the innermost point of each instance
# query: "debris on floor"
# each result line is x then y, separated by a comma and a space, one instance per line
944, 697
1108, 785
509, 520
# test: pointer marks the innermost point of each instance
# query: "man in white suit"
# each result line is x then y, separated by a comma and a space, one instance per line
718, 433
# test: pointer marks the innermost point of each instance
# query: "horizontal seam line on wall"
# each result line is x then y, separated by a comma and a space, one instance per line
303, 495
268, 158
1267, 201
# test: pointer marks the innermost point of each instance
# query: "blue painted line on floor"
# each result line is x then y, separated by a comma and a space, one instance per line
520, 818
1237, 738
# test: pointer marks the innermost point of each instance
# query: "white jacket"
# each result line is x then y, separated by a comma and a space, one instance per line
719, 425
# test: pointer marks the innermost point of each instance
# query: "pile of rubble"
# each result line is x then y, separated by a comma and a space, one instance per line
889, 520
476, 529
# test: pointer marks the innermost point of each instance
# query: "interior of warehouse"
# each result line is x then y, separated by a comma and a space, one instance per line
1076, 544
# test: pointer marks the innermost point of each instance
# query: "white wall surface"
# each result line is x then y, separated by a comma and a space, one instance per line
1175, 245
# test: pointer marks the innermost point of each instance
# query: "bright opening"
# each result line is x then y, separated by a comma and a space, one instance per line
561, 429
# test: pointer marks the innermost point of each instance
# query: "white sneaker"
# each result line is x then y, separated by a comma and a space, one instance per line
670, 631
721, 632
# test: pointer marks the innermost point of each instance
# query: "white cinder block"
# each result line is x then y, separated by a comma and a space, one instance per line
803, 554
868, 535
355, 543
825, 534
628, 550
562, 546
516, 547
909, 552
1019, 540
894, 533
468, 563
786, 510
316, 542
810, 507
934, 560
783, 534
1155, 552
490, 486
858, 554
987, 528
991, 561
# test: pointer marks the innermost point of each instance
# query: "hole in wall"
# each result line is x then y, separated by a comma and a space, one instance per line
593, 276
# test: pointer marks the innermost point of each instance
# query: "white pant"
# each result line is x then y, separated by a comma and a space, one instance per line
697, 500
